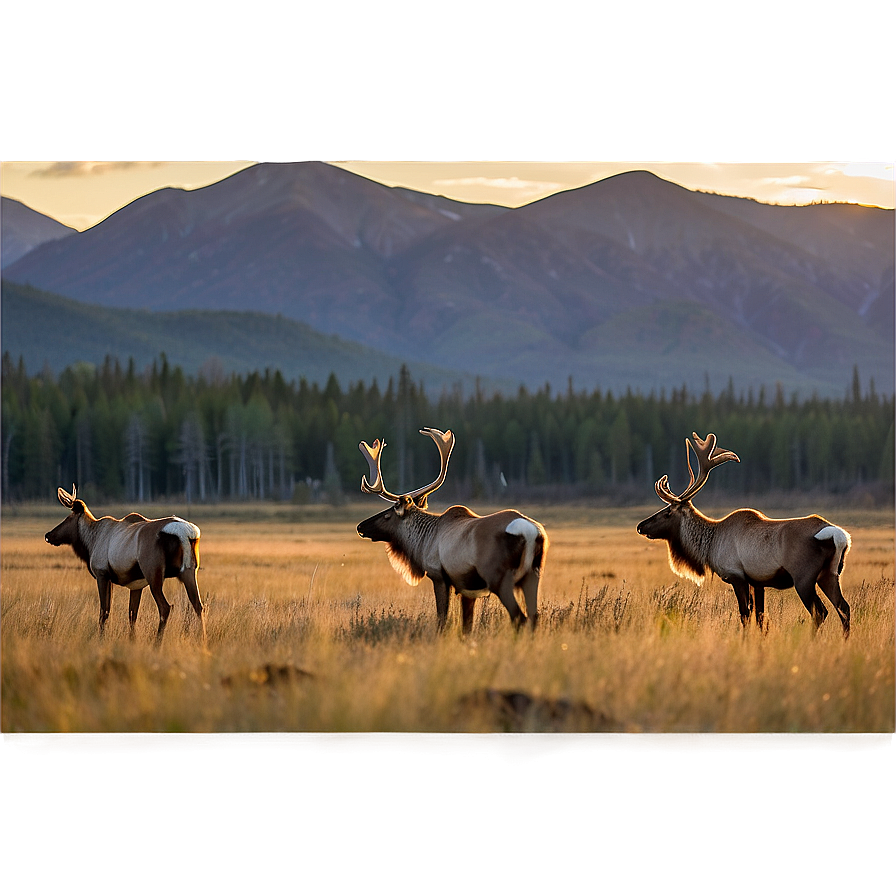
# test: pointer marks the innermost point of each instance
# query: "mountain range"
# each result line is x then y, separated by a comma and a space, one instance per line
628, 282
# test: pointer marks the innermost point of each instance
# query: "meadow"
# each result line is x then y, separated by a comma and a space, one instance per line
311, 630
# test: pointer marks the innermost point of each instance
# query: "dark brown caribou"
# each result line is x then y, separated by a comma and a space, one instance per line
132, 552
458, 550
748, 550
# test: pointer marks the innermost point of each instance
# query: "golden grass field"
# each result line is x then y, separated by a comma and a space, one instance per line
310, 630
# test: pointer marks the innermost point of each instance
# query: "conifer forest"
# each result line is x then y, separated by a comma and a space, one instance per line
128, 435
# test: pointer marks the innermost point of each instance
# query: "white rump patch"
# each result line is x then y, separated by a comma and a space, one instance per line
842, 543
529, 531
840, 536
182, 529
186, 532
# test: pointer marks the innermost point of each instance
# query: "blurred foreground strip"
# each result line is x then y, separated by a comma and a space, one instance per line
393, 814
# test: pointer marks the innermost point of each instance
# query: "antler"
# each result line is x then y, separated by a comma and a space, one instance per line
664, 492
444, 442
66, 499
707, 457
372, 453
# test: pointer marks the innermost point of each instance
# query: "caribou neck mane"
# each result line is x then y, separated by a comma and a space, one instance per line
83, 544
405, 555
689, 549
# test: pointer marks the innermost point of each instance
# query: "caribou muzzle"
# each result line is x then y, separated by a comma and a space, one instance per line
651, 528
52, 537
369, 528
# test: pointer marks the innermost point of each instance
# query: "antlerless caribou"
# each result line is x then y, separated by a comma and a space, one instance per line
132, 552
458, 550
748, 550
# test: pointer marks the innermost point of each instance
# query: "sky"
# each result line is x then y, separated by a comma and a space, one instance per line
702, 94
80, 194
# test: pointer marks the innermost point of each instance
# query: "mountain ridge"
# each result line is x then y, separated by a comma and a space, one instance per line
22, 229
791, 295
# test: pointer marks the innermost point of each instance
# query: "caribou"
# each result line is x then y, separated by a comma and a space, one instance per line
132, 552
748, 550
459, 551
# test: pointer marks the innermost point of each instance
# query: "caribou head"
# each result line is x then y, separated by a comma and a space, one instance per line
383, 525
667, 521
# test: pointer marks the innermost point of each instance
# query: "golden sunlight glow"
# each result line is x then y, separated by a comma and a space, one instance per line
882, 170
80, 194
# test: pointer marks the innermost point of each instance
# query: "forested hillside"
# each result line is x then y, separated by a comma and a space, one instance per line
232, 341
135, 436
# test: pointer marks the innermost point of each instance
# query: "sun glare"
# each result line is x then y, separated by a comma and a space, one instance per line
880, 170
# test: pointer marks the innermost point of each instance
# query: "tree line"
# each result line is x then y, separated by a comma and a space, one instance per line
157, 434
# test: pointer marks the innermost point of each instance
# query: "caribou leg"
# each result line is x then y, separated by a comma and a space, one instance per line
104, 587
529, 585
507, 596
811, 601
440, 587
829, 583
744, 599
188, 579
133, 609
155, 587
466, 605
759, 606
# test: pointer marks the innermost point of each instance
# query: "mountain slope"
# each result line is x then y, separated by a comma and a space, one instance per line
47, 329
23, 229
307, 240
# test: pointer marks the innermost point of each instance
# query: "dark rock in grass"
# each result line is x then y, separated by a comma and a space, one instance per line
110, 670
516, 711
268, 674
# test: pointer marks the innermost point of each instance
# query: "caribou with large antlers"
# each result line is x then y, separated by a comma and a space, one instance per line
458, 550
132, 552
748, 550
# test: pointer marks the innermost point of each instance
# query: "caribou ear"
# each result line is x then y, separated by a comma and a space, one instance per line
65, 499
78, 506
404, 502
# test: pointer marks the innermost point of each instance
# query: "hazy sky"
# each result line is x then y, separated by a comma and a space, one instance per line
81, 193
606, 82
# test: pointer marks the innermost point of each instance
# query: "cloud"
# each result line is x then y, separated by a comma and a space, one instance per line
801, 196
879, 170
86, 169
504, 183
794, 180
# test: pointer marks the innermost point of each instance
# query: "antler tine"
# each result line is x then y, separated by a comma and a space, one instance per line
66, 499
715, 457
664, 492
372, 454
707, 457
445, 443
